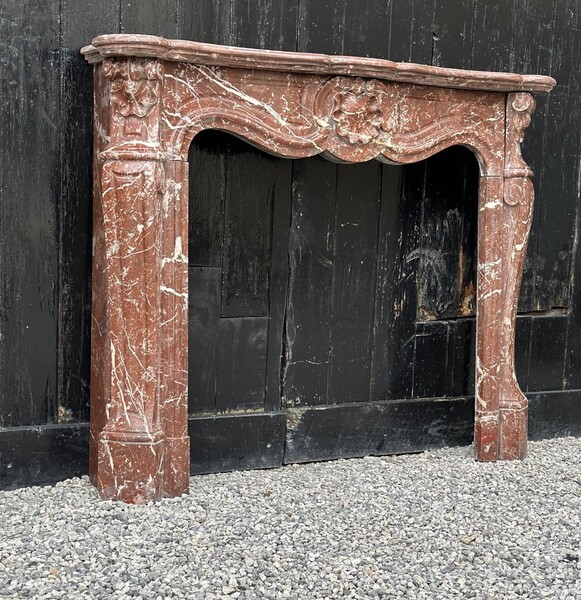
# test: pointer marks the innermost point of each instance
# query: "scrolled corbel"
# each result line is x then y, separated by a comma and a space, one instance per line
517, 184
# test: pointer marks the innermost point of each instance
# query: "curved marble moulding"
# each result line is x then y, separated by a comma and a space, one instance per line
152, 96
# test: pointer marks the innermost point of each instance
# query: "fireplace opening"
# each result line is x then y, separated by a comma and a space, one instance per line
313, 283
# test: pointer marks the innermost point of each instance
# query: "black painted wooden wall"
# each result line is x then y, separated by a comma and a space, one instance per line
331, 307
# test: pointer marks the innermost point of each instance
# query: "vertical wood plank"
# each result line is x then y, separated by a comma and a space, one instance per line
207, 181
269, 24
368, 28
411, 31
452, 33
29, 193
242, 347
446, 269
205, 21
152, 17
354, 281
566, 182
492, 32
433, 363
391, 293
203, 318
247, 231
321, 26
559, 168
547, 352
402, 322
462, 348
522, 353
531, 52
279, 275
306, 352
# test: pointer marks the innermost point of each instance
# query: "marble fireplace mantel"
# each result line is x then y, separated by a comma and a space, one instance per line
152, 96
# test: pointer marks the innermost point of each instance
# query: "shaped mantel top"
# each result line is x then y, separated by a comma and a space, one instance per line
119, 45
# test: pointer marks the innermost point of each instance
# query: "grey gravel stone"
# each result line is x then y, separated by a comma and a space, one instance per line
430, 526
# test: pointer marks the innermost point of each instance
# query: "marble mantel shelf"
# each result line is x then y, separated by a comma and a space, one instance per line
152, 96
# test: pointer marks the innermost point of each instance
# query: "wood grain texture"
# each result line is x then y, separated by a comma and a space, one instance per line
203, 322
207, 195
207, 20
149, 16
352, 296
279, 279
308, 312
446, 278
30, 187
246, 245
241, 372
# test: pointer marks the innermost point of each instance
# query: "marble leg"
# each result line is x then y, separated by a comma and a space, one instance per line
505, 211
127, 437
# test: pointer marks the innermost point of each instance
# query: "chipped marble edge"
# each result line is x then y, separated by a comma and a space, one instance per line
150, 46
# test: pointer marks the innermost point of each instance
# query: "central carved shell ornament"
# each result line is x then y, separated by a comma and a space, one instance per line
357, 111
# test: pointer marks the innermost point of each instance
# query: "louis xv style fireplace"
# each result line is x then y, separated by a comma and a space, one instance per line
152, 96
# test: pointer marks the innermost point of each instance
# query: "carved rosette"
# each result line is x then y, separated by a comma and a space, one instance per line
134, 97
357, 113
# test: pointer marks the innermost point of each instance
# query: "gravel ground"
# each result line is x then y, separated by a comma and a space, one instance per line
433, 525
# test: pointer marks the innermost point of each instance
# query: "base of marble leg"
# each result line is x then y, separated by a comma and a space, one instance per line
130, 466
176, 467
486, 437
513, 434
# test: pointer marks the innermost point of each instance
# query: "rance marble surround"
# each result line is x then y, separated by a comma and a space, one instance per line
152, 96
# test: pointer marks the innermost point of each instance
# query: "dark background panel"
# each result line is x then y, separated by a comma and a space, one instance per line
246, 244
452, 33
207, 181
354, 282
150, 17
29, 184
368, 28
447, 268
279, 279
306, 361
241, 369
268, 24
400, 222
531, 51
204, 20
203, 322
387, 295
557, 208
321, 26
306, 329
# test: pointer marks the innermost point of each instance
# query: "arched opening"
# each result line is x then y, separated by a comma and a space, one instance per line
316, 284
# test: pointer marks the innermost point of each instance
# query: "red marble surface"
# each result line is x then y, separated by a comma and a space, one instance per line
152, 96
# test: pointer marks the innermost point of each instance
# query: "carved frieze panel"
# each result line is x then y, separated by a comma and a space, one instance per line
348, 119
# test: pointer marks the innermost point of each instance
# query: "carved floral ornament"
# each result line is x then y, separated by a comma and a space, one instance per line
357, 109
134, 91
152, 96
